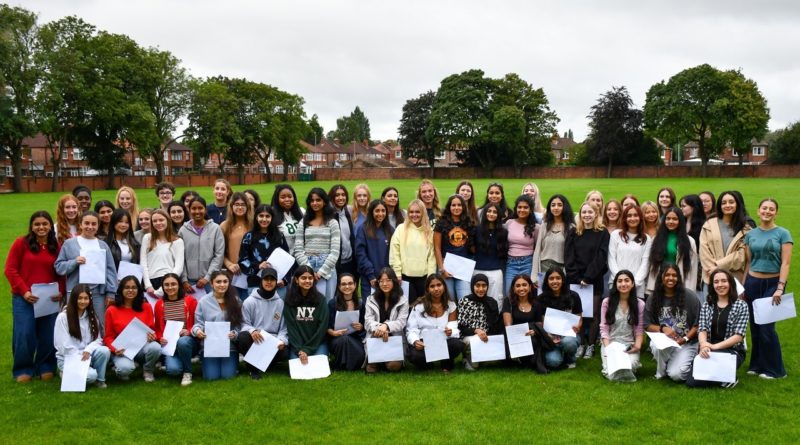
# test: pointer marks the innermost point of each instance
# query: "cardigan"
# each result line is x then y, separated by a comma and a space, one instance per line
189, 308
67, 265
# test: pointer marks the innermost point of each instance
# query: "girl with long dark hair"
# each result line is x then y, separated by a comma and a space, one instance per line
238, 222
123, 244
179, 307
104, 209
129, 303
394, 213
434, 310
221, 304
204, 248
722, 243
318, 241
372, 245
491, 251
77, 331
495, 194
672, 245
622, 321
287, 212
257, 246
521, 306
550, 243
557, 295
467, 191
306, 314
346, 262
629, 248
454, 234
522, 234
348, 349
386, 313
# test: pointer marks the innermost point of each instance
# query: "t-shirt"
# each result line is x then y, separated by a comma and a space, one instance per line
535, 315
519, 244
765, 248
569, 302
456, 239
682, 321
216, 214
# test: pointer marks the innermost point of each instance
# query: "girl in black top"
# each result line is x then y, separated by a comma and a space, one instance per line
104, 209
121, 241
556, 295
258, 244
521, 307
347, 349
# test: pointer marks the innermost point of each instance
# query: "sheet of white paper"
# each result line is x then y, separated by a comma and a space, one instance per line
404, 285
519, 344
540, 278
661, 341
94, 270
587, 298
494, 349
281, 261
739, 287
560, 323
133, 338
459, 267
217, 343
261, 354
344, 320
718, 367
151, 301
435, 345
617, 358
45, 305
172, 332
379, 351
75, 372
765, 312
317, 368
126, 269
239, 281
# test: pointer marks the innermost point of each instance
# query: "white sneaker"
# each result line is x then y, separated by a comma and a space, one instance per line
751, 372
148, 377
187, 379
579, 352
589, 352
571, 365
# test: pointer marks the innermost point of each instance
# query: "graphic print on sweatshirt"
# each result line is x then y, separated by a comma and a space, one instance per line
305, 313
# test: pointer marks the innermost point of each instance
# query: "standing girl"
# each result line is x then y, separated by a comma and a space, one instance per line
77, 331
650, 218
522, 234
361, 199
104, 209
258, 244
629, 249
666, 200
123, 244
391, 199
411, 252
467, 192
672, 245
496, 195
165, 191
768, 256
722, 243
222, 304
317, 243
429, 196
238, 222
551, 239
491, 251
453, 234
178, 214
287, 213
204, 248
126, 200
142, 224
217, 211
611, 215
67, 218
532, 190
162, 252
30, 261
372, 246
347, 261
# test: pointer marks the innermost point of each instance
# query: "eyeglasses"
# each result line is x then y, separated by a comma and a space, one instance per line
239, 204
165, 193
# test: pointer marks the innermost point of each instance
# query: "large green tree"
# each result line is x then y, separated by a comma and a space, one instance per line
784, 147
747, 113
701, 104
413, 130
354, 127
18, 79
315, 131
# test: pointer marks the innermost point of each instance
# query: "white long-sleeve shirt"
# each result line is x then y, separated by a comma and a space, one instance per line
165, 258
66, 344
630, 256
418, 321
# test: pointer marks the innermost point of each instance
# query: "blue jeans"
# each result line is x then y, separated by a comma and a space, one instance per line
516, 265
32, 340
456, 288
147, 356
181, 362
327, 286
97, 368
321, 350
563, 353
765, 355
215, 368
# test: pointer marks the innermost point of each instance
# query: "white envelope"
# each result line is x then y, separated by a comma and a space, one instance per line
172, 332
435, 345
560, 323
718, 367
379, 351
661, 341
45, 305
519, 344
317, 368
133, 338
217, 343
617, 358
494, 349
281, 261
765, 312
261, 354
94, 270
73, 379
239, 281
126, 268
344, 320
459, 267
587, 298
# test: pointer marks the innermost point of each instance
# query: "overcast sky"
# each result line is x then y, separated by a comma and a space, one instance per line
337, 54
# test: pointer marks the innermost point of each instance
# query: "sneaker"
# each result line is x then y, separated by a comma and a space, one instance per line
148, 377
187, 379
751, 372
100, 385
468, 365
579, 352
161, 367
589, 352
571, 365
255, 375
729, 385
196, 359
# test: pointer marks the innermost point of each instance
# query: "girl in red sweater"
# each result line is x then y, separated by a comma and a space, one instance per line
176, 306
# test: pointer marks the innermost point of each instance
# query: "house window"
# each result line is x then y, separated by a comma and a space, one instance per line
278, 168
442, 156
565, 155
693, 153
758, 151
137, 161
177, 156
166, 155
398, 154
734, 153
64, 154
9, 172
77, 154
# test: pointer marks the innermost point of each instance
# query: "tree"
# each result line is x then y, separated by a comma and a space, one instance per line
315, 131
166, 93
413, 130
616, 134
210, 117
18, 79
291, 127
352, 128
785, 147
747, 113
699, 104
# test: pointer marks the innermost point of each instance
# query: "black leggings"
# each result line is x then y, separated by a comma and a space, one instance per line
454, 346
416, 287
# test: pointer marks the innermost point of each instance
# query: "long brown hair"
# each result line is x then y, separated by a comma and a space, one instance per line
169, 233
73, 317
62, 224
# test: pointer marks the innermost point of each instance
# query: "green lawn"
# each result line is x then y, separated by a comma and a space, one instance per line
490, 405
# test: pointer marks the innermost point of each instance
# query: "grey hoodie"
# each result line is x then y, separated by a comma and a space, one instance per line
265, 315
202, 254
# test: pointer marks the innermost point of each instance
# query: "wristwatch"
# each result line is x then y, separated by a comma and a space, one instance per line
686, 339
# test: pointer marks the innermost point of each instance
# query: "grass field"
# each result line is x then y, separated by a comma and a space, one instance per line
492, 405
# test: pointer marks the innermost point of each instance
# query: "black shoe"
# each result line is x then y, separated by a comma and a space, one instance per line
255, 375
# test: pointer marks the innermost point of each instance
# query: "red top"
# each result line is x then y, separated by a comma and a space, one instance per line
117, 319
25, 267
189, 306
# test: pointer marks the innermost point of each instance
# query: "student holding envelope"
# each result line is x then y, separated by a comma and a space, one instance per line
454, 233
177, 306
262, 313
723, 323
385, 315
556, 295
622, 321
72, 257
129, 304
257, 246
306, 315
478, 316
768, 252
348, 348
434, 311
31, 260
521, 307
221, 305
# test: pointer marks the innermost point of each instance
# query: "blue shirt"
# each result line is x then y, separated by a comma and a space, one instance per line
765, 248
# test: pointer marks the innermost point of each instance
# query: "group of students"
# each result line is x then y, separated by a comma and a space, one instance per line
671, 267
